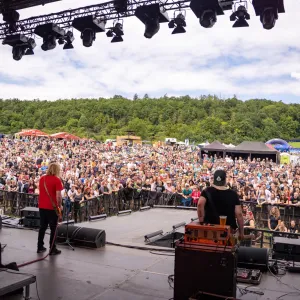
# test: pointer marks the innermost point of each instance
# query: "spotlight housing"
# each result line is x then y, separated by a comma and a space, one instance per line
21, 45
89, 26
116, 32
180, 23
151, 15
69, 38
207, 11
268, 11
240, 16
50, 33
11, 17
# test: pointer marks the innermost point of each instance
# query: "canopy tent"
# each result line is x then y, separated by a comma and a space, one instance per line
254, 150
65, 135
215, 148
32, 132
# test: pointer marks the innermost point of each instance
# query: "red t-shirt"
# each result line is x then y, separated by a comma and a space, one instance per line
53, 185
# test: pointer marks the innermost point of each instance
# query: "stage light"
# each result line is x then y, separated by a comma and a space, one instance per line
151, 15
89, 26
120, 6
116, 32
21, 45
206, 11
194, 219
124, 212
145, 208
153, 234
11, 17
70, 222
176, 226
69, 38
98, 217
180, 23
50, 33
240, 16
268, 11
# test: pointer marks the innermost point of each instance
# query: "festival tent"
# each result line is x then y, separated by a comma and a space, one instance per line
64, 135
215, 148
32, 132
254, 150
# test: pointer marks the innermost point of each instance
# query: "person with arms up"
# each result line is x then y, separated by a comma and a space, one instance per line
218, 200
50, 202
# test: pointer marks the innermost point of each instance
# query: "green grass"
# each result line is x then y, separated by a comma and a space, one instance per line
295, 144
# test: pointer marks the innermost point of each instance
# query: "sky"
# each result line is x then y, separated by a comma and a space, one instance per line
247, 62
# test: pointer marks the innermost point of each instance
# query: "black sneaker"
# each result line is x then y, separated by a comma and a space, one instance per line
41, 250
55, 252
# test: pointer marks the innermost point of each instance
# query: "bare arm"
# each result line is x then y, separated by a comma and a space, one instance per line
200, 209
240, 220
59, 198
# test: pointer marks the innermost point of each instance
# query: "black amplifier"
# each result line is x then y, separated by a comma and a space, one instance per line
205, 271
285, 248
30, 212
286, 245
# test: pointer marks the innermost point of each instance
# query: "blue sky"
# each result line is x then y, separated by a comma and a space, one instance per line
248, 62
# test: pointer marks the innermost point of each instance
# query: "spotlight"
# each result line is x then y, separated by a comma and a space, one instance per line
124, 212
206, 11
240, 16
89, 26
69, 38
20, 43
11, 17
151, 15
152, 234
180, 23
120, 6
268, 11
116, 33
50, 33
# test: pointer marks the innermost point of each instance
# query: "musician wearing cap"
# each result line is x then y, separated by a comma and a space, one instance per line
50, 201
218, 200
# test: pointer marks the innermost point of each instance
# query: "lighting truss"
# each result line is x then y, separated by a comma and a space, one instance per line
107, 10
21, 4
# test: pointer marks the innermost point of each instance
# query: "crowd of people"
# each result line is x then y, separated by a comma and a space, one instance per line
90, 169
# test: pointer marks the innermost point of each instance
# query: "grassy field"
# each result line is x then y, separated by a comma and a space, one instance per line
295, 144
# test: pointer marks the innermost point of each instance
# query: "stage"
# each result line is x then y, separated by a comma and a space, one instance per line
112, 272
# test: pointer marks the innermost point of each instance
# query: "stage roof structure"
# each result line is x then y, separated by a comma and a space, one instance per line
21, 4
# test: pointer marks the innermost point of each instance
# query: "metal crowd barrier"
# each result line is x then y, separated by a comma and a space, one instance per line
11, 203
262, 212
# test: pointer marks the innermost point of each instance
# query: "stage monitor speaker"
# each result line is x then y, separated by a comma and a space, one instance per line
61, 236
89, 237
253, 258
30, 212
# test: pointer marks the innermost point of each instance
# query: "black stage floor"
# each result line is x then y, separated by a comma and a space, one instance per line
114, 273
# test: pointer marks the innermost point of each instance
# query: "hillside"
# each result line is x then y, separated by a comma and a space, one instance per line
205, 118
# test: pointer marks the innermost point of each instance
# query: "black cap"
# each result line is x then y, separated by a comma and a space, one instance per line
220, 178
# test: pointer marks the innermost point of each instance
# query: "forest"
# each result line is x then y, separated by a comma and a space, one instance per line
201, 119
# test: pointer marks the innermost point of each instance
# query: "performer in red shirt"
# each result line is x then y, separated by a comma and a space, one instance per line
50, 201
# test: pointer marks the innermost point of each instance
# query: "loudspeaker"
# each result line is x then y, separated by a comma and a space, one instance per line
89, 237
253, 258
30, 212
62, 233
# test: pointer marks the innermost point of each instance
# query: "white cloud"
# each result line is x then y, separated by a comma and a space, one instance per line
249, 62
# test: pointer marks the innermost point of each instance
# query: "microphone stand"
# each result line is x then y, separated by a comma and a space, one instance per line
67, 242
